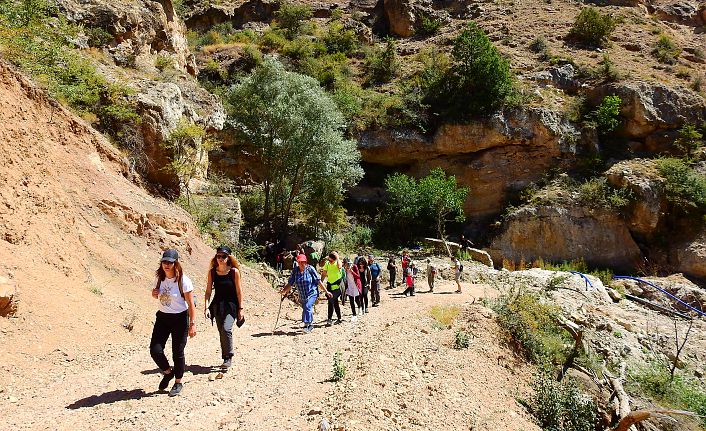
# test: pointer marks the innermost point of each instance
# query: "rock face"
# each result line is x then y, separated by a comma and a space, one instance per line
492, 157
237, 13
161, 106
8, 297
651, 107
682, 12
555, 234
691, 256
138, 31
400, 16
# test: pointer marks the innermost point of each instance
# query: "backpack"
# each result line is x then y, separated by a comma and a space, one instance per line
460, 268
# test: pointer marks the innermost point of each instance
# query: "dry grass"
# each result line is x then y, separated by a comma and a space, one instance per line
445, 316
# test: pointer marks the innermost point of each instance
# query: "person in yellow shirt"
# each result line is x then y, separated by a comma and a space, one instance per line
332, 274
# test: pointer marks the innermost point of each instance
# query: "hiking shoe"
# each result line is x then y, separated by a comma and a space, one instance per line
227, 363
308, 329
328, 322
339, 321
176, 389
165, 381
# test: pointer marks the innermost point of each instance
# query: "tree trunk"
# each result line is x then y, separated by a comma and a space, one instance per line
440, 226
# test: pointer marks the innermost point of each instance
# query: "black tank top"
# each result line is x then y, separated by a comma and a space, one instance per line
225, 298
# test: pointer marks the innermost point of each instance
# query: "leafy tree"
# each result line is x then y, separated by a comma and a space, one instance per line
606, 117
299, 135
188, 153
382, 64
690, 139
292, 18
478, 81
592, 28
428, 203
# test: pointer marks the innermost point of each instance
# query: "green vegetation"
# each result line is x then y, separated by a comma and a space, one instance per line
187, 147
690, 139
665, 50
414, 206
560, 406
681, 392
592, 28
608, 71
162, 62
597, 193
298, 132
339, 368
340, 39
381, 65
428, 25
605, 275
606, 117
684, 187
293, 18
444, 316
461, 340
538, 44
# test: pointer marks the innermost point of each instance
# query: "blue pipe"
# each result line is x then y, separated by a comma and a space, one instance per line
639, 280
588, 282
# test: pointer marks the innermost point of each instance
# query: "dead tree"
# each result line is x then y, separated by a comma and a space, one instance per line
577, 334
679, 347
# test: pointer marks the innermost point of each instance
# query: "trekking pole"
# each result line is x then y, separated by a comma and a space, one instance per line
278, 313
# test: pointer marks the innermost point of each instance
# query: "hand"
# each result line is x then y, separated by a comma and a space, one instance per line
155, 293
329, 295
207, 314
240, 314
192, 331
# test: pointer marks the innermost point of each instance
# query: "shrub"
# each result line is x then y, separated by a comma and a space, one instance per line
339, 368
607, 70
272, 40
381, 65
597, 193
560, 406
606, 117
665, 50
680, 392
684, 187
478, 82
605, 275
292, 18
698, 83
251, 57
690, 139
97, 37
303, 48
461, 340
428, 25
538, 44
162, 62
592, 28
340, 39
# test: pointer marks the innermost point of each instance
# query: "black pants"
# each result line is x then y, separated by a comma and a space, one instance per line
354, 300
409, 290
375, 292
364, 298
176, 325
333, 304
393, 275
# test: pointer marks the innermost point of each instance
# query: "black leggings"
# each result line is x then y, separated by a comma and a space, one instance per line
333, 304
364, 298
354, 300
176, 325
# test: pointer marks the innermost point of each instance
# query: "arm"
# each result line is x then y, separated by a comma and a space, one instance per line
155, 290
207, 295
189, 298
238, 292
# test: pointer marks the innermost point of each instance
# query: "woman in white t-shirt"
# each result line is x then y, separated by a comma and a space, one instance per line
175, 317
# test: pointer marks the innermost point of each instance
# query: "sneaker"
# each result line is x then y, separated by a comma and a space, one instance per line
339, 321
176, 389
308, 329
329, 322
227, 363
165, 381
354, 319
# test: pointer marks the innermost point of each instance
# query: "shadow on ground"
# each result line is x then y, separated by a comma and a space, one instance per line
110, 398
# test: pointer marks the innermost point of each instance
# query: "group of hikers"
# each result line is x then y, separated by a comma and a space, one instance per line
339, 280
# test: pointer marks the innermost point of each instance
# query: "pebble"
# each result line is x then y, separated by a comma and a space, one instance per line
13, 399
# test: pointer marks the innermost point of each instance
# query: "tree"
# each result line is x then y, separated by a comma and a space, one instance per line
424, 205
297, 131
292, 18
188, 152
592, 28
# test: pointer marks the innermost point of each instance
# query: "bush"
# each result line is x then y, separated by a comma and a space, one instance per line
538, 45
303, 48
608, 71
681, 392
292, 18
461, 340
340, 39
665, 50
685, 188
478, 82
690, 139
272, 40
597, 193
592, 28
339, 368
251, 57
605, 275
381, 65
428, 25
606, 117
560, 406
162, 62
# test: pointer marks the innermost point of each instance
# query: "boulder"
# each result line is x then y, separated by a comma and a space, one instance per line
137, 31
691, 256
650, 204
649, 107
599, 237
681, 12
562, 77
237, 13
400, 16
8, 297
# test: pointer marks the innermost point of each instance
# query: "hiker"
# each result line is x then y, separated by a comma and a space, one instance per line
409, 279
175, 317
375, 271
465, 243
405, 263
392, 269
364, 272
332, 274
457, 272
227, 306
352, 283
431, 274
307, 281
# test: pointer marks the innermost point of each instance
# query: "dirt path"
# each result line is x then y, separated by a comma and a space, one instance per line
401, 374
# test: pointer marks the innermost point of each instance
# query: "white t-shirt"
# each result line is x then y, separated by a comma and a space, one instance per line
170, 300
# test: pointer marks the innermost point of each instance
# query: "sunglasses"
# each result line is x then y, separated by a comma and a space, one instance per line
221, 256
164, 262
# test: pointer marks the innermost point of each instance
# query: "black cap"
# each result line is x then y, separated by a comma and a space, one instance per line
223, 249
170, 255
346, 260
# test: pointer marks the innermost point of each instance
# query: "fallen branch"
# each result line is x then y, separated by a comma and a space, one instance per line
641, 415
577, 334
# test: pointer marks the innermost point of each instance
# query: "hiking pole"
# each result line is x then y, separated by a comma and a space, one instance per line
278, 312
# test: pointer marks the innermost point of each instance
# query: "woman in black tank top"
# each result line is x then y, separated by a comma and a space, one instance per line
227, 305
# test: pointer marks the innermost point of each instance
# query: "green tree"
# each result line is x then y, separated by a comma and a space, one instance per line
478, 82
292, 18
299, 135
442, 199
382, 65
606, 117
188, 148
592, 28
690, 139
